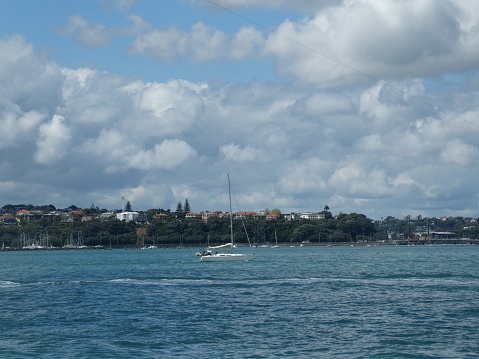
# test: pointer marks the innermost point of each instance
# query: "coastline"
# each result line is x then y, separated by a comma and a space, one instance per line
401, 242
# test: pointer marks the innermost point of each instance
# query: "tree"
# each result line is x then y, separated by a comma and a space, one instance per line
128, 206
179, 209
355, 224
326, 212
276, 211
187, 208
304, 232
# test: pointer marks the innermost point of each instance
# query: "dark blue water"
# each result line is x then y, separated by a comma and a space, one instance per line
308, 302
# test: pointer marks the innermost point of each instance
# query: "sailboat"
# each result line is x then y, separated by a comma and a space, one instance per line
222, 256
276, 238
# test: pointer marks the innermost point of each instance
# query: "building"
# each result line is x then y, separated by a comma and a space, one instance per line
271, 216
311, 215
291, 216
248, 214
127, 216
191, 215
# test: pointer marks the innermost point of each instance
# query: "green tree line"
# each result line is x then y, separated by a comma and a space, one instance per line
180, 231
175, 229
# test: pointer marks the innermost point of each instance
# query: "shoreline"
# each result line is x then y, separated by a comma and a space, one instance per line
405, 242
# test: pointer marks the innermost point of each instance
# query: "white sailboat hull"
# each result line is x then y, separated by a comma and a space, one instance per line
226, 257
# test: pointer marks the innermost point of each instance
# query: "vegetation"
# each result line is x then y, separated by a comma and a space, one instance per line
172, 228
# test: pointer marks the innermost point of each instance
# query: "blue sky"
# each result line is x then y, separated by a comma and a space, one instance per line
364, 106
44, 30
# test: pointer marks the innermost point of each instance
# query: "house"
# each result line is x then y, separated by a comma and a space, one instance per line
217, 214
271, 216
311, 215
190, 215
106, 215
248, 214
77, 214
23, 213
291, 216
160, 216
142, 219
8, 219
127, 216
207, 215
66, 218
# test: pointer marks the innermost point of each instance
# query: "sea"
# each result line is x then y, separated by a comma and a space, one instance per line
289, 302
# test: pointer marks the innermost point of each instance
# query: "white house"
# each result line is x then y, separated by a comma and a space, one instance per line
127, 216
310, 215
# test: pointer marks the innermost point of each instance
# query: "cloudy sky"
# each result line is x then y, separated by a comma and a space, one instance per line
366, 106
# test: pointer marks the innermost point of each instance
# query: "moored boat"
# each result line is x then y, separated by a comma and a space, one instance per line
225, 253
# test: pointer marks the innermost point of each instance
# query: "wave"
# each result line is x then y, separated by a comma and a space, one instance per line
7, 283
298, 281
161, 281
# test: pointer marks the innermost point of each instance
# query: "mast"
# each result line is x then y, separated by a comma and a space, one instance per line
428, 234
231, 211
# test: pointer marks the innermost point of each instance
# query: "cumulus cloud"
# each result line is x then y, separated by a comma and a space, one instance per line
17, 126
358, 181
234, 153
52, 144
169, 154
36, 86
268, 4
373, 147
119, 154
110, 144
86, 34
459, 153
120, 4
399, 39
174, 107
201, 44
91, 97
306, 176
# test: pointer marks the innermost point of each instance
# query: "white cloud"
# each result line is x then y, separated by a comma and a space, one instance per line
234, 153
326, 103
459, 153
298, 4
298, 143
91, 97
403, 179
120, 4
305, 176
35, 86
119, 154
356, 181
173, 108
168, 155
165, 44
109, 143
17, 126
399, 39
96, 35
201, 44
52, 143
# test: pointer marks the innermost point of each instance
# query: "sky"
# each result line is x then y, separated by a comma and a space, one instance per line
364, 106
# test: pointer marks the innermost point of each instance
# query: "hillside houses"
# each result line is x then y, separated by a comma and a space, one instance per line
205, 216
65, 216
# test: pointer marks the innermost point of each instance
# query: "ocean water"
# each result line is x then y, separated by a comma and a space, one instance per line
301, 302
